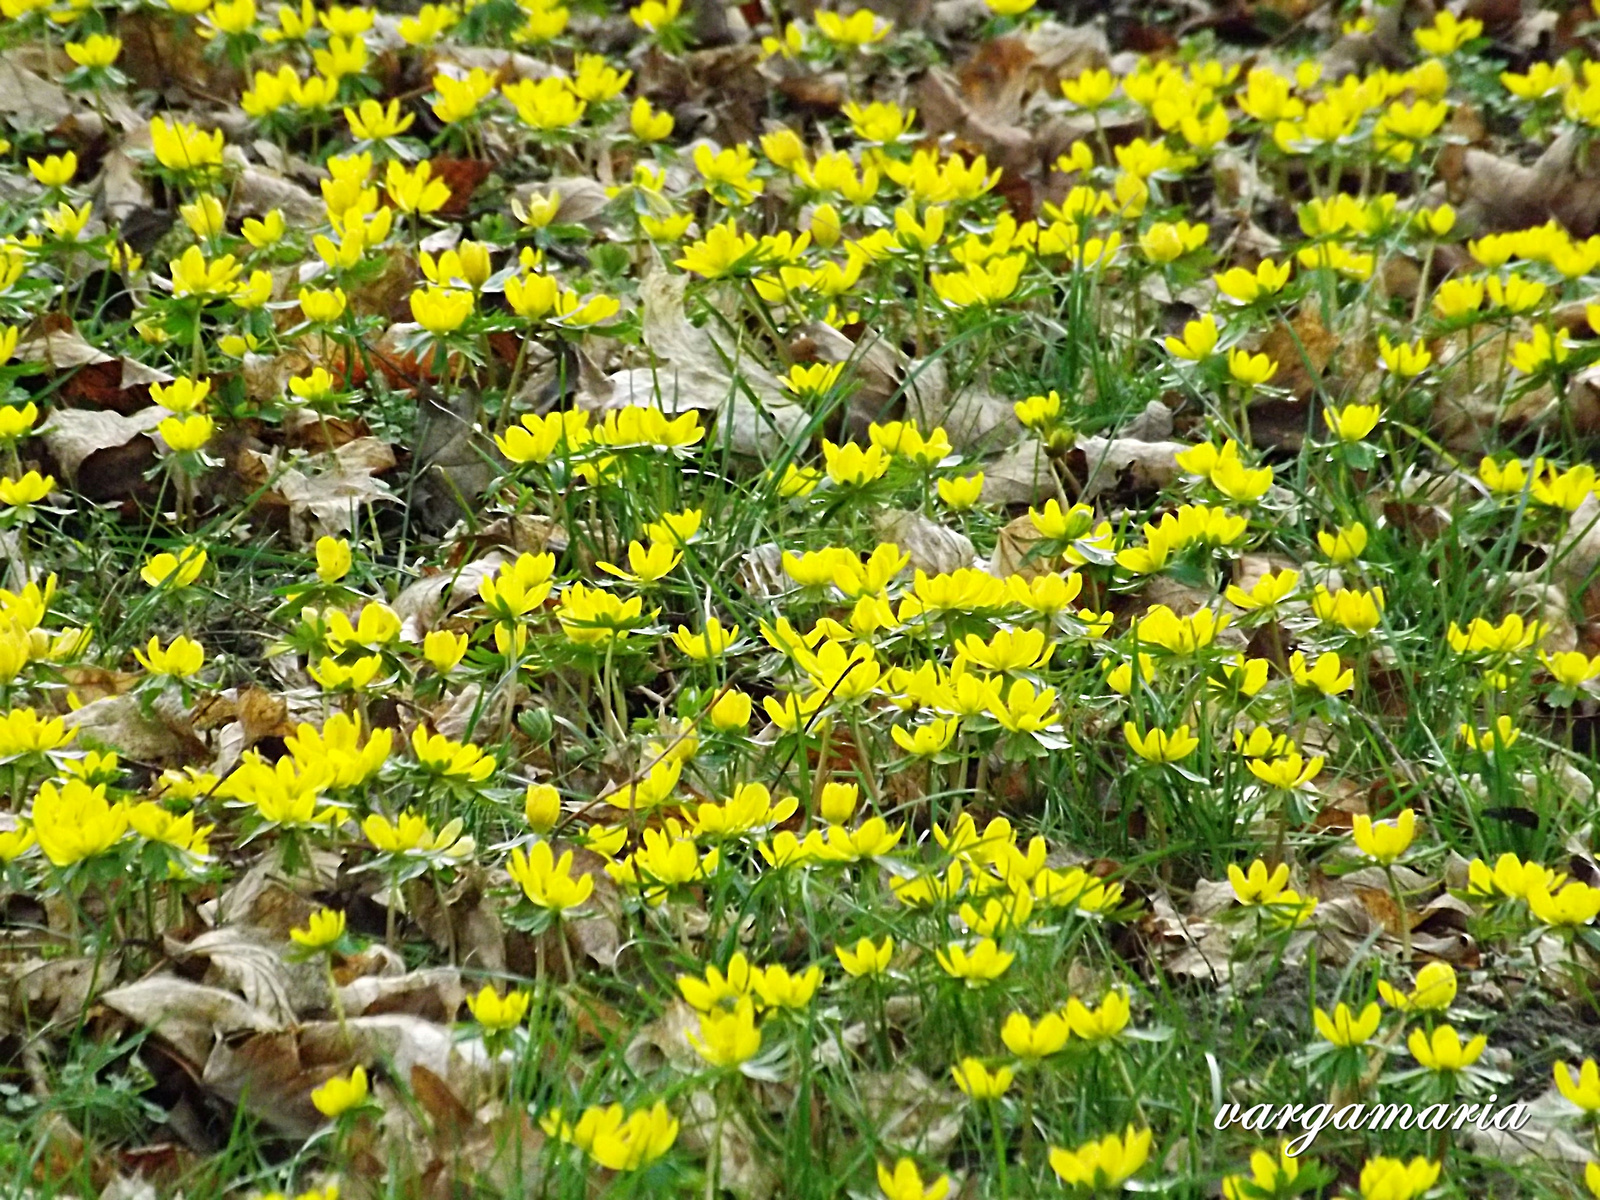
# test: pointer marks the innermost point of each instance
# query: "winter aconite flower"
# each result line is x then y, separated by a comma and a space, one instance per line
904, 1182
1581, 1088
341, 1094
979, 1082
321, 930
1434, 991
497, 1013
548, 881
1384, 841
1443, 1050
1104, 1164
1345, 1028
74, 822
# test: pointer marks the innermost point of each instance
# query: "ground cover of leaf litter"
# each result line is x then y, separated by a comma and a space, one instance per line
943, 600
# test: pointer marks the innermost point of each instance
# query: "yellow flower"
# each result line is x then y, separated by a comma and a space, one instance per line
548, 881
728, 1038
1289, 772
1246, 287
192, 275
1389, 1178
323, 307
333, 559
441, 310
1345, 1028
1344, 545
851, 466
860, 29
16, 421
1384, 841
1434, 992
537, 439
866, 957
341, 1094
1405, 360
618, 1141
97, 51
322, 929
444, 650
496, 1013
1447, 34
1104, 1164
960, 492
589, 616
333, 675
1358, 613
926, 740
1571, 668
1039, 412
647, 124
1198, 341
1326, 675
372, 121
977, 1081
30, 489
1542, 80
1091, 89
1032, 1041
645, 426
176, 570
16, 842
541, 807
55, 170
646, 564
980, 283
1562, 489
1541, 350
451, 759
459, 98
654, 15
75, 821
184, 148
1103, 1023
546, 105
1352, 422
1157, 746
1581, 1089
724, 251
731, 712
1258, 886
1269, 1176
180, 659
1509, 877
23, 732
410, 834
878, 121
1500, 736
983, 964
1575, 904
1165, 241
904, 1183
1252, 370
1444, 1051
712, 643
184, 435
727, 173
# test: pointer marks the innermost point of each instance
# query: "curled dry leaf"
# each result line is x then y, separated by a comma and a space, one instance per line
190, 1017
